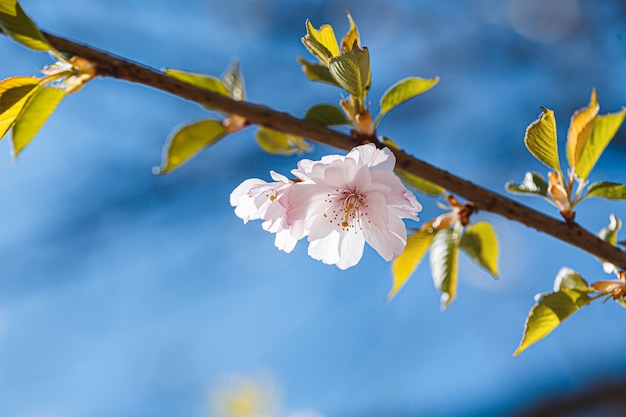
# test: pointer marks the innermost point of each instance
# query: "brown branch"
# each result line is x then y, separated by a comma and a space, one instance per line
482, 199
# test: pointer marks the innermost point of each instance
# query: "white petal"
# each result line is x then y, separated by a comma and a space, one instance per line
326, 249
350, 249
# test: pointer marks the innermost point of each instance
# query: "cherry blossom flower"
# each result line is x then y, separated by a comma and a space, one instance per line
339, 202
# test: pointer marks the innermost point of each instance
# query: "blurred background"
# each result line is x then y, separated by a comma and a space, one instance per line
123, 293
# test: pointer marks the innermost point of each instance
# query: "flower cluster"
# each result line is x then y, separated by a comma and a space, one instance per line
338, 202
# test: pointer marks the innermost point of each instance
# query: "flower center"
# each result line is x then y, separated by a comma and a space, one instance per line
347, 209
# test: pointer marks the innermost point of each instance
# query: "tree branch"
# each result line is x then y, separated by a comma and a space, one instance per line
481, 198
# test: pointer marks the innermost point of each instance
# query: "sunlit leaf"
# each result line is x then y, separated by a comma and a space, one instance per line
606, 189
14, 94
19, 27
444, 254
405, 90
317, 72
532, 183
419, 184
579, 131
279, 143
540, 139
352, 71
568, 279
321, 42
188, 141
403, 266
351, 38
548, 313
206, 82
233, 80
609, 235
34, 115
604, 129
326, 115
480, 243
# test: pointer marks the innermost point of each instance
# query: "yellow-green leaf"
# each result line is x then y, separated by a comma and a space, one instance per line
317, 72
321, 42
352, 71
279, 143
444, 254
580, 129
206, 82
568, 279
609, 233
403, 266
37, 111
540, 139
17, 25
326, 115
532, 183
233, 80
405, 90
606, 189
419, 184
548, 313
14, 94
351, 38
188, 141
480, 243
604, 129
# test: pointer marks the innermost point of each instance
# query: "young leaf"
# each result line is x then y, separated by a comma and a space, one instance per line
279, 143
14, 95
540, 139
321, 43
351, 38
403, 266
579, 131
568, 279
444, 254
548, 313
532, 183
352, 71
34, 115
480, 243
609, 233
604, 129
326, 115
19, 27
419, 184
233, 80
606, 189
188, 141
317, 72
206, 82
404, 90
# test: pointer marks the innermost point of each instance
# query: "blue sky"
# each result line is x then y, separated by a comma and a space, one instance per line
128, 294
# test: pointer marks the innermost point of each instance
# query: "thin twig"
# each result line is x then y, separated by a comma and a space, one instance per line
481, 198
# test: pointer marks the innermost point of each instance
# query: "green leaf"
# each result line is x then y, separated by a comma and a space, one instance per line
480, 243
606, 189
188, 141
37, 111
568, 279
444, 254
14, 95
352, 71
279, 143
419, 184
579, 131
206, 82
326, 115
19, 27
317, 72
405, 90
233, 80
604, 129
540, 139
532, 183
403, 266
609, 233
548, 313
321, 42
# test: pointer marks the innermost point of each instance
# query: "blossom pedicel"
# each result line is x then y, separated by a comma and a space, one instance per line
339, 202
